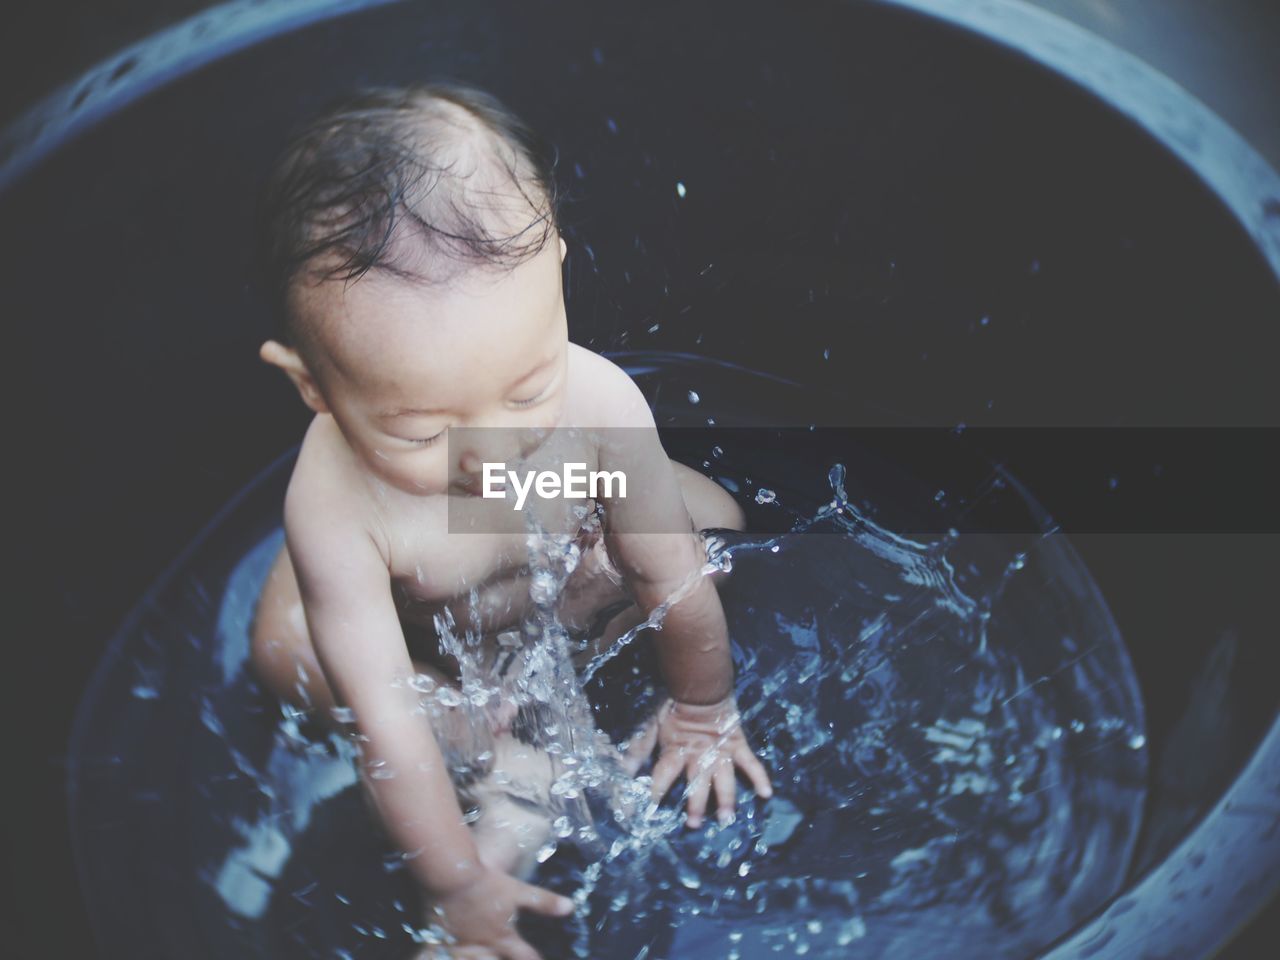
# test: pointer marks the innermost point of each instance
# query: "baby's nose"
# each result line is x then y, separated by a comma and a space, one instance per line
479, 446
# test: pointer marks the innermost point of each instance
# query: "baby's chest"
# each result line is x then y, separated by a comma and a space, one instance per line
436, 565
435, 559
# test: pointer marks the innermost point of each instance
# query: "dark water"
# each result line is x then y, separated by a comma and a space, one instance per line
951, 722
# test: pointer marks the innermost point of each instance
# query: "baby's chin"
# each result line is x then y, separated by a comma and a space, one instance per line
464, 488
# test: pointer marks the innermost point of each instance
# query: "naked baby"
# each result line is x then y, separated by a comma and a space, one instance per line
412, 245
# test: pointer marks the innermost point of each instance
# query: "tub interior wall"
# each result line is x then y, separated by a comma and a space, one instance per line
856, 180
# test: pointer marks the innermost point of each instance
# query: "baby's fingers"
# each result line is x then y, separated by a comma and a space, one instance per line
665, 772
699, 787
754, 770
726, 784
544, 901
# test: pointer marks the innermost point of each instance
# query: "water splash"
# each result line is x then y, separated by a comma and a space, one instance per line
897, 732
952, 729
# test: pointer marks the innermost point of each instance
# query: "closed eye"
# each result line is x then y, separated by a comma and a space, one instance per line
427, 441
541, 395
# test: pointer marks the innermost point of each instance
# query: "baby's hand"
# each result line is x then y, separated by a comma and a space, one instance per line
706, 744
482, 917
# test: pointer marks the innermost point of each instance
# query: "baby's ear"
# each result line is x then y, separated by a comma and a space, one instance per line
288, 360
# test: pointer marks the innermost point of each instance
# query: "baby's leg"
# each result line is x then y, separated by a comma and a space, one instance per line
516, 807
281, 653
511, 789
708, 503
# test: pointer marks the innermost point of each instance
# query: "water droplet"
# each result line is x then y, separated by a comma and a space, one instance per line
543, 587
1137, 742
765, 495
422, 683
852, 930
693, 397
680, 190
449, 697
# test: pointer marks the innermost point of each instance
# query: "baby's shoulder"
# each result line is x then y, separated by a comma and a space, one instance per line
602, 394
324, 501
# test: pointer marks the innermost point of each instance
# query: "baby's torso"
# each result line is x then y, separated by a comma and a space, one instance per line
471, 555
482, 577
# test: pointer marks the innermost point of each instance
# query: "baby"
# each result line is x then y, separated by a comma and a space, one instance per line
412, 245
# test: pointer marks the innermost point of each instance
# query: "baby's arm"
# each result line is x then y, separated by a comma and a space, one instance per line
698, 732
359, 642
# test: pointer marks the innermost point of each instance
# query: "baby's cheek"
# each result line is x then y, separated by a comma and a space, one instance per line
427, 475
433, 481
551, 415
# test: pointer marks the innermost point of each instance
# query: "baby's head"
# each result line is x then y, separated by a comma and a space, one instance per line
410, 245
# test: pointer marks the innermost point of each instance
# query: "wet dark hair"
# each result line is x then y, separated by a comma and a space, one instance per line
380, 158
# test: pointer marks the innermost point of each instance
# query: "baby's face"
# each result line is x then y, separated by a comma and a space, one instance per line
406, 362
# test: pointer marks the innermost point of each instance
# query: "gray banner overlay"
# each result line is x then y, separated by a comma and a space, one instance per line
916, 480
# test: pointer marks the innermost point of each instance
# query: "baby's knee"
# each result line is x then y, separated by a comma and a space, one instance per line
709, 504
508, 836
274, 652
516, 807
280, 653
725, 513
